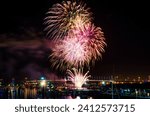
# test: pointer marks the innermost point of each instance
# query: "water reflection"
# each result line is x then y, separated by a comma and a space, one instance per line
47, 93
19, 93
30, 93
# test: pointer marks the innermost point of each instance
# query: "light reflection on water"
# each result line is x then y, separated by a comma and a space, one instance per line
25, 93
30, 93
42, 93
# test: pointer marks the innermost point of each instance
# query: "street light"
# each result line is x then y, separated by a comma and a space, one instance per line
43, 84
42, 78
103, 83
136, 93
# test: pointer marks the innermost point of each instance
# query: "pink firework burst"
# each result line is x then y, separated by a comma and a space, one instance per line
71, 52
82, 45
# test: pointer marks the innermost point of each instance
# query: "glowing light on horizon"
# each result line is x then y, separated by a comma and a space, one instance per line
43, 83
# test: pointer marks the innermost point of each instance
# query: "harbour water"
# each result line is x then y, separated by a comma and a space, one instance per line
102, 92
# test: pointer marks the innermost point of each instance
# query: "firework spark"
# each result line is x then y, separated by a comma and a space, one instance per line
77, 77
61, 17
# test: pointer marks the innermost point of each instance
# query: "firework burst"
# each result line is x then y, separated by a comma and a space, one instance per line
77, 42
77, 77
62, 17
83, 45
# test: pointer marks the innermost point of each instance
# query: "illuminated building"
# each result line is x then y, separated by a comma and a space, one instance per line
1, 82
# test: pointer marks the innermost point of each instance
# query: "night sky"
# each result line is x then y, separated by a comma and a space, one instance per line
24, 49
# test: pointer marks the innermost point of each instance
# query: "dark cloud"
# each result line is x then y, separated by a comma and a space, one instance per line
25, 55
